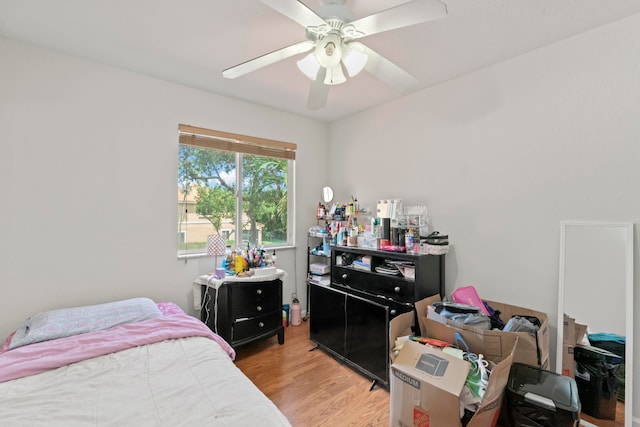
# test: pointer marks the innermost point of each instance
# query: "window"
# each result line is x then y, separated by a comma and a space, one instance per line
234, 185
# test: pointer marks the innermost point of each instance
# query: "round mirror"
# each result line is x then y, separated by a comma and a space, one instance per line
327, 194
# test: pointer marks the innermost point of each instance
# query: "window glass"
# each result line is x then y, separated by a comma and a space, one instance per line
264, 201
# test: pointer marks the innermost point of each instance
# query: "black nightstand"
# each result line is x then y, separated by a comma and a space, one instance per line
242, 311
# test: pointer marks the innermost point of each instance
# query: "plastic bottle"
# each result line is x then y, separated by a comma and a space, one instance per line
296, 312
286, 309
239, 266
326, 249
228, 263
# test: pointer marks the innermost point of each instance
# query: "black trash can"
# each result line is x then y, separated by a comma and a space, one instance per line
615, 344
596, 377
541, 398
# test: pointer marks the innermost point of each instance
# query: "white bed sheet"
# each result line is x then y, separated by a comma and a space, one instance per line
180, 382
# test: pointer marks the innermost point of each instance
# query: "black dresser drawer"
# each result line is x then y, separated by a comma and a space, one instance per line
255, 300
247, 328
395, 287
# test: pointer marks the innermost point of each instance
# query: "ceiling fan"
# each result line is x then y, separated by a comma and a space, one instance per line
331, 33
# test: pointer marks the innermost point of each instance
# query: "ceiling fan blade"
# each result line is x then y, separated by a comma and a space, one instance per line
267, 59
296, 11
389, 72
319, 91
403, 15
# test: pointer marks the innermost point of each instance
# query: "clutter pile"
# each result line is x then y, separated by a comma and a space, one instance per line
457, 360
244, 262
491, 325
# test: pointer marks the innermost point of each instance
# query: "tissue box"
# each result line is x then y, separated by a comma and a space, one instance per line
263, 271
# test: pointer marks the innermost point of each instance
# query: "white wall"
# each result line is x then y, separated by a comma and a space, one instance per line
88, 167
503, 155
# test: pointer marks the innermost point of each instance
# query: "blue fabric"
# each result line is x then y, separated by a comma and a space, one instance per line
603, 336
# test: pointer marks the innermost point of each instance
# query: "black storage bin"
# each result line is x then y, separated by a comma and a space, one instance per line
541, 398
615, 344
596, 377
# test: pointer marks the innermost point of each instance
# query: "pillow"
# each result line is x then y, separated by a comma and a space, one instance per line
7, 342
66, 322
170, 309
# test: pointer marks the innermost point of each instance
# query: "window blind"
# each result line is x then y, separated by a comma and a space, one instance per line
208, 138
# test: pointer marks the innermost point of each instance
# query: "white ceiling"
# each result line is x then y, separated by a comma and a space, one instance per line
191, 41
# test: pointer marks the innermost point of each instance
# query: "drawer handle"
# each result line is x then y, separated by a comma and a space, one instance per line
261, 324
344, 276
259, 291
393, 312
259, 308
397, 289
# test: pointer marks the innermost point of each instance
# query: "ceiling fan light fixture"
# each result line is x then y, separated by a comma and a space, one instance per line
309, 66
354, 61
329, 51
334, 76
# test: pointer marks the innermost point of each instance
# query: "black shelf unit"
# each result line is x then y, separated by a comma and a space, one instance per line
315, 241
350, 317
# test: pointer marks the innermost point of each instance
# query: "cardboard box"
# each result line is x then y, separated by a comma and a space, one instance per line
569, 331
496, 345
568, 363
400, 326
426, 384
581, 334
403, 325
572, 333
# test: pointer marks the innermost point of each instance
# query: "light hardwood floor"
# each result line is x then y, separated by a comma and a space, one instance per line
311, 388
314, 390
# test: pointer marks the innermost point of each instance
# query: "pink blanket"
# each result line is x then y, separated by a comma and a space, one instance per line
35, 358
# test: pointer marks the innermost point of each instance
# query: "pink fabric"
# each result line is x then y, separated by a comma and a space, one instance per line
468, 295
40, 357
7, 342
169, 309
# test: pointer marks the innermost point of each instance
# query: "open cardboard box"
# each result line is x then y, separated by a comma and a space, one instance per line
494, 344
426, 384
573, 333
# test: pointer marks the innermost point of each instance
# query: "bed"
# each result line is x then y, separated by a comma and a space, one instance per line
131, 362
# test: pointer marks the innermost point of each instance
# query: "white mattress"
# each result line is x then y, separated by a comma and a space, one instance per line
181, 382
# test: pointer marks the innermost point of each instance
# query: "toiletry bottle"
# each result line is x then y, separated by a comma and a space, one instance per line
296, 312
408, 241
239, 262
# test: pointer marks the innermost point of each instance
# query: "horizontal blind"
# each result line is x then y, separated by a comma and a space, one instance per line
207, 138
